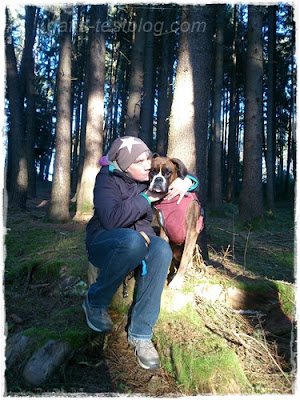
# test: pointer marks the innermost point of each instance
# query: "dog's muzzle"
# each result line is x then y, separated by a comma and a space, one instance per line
158, 184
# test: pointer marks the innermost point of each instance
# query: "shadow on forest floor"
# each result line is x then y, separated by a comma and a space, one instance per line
44, 260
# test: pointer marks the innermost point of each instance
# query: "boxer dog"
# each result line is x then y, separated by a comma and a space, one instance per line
180, 224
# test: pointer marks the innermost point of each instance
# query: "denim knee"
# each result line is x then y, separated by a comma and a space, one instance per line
165, 249
133, 242
162, 248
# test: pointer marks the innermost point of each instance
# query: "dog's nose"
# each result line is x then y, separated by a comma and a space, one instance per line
158, 179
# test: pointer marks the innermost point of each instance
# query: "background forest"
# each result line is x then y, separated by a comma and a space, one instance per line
213, 85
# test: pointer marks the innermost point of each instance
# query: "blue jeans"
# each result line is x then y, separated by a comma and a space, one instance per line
119, 252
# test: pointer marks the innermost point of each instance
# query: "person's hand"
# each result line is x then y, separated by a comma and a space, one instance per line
154, 196
179, 187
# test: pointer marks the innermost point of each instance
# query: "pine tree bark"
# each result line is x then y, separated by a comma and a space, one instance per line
271, 130
146, 132
60, 193
17, 167
167, 43
188, 130
27, 79
216, 145
81, 65
232, 149
291, 132
95, 111
136, 78
189, 113
83, 128
251, 199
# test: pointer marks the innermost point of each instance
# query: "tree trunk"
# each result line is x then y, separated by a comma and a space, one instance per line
17, 168
82, 131
291, 132
28, 80
146, 133
216, 151
231, 172
82, 68
136, 78
60, 193
167, 42
251, 200
188, 129
112, 103
271, 128
95, 111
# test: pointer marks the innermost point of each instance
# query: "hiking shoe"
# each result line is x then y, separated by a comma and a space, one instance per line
97, 319
146, 353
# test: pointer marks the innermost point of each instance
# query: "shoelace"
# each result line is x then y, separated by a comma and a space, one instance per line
145, 344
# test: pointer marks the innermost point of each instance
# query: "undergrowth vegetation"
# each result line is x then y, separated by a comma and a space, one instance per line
206, 347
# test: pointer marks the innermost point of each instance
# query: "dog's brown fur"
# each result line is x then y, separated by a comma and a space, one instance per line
181, 253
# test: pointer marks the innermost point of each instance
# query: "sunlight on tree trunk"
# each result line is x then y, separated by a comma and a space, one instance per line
189, 113
60, 194
136, 79
251, 199
27, 78
17, 167
188, 134
146, 132
181, 140
271, 130
216, 145
95, 110
233, 126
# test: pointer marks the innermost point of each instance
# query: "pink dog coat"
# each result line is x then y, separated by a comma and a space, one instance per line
172, 217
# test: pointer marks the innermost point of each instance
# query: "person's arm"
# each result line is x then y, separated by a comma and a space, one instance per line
112, 210
182, 186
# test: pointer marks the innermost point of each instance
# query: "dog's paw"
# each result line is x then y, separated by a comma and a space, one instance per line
176, 283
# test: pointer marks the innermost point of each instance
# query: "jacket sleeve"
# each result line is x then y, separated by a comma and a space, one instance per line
112, 210
194, 179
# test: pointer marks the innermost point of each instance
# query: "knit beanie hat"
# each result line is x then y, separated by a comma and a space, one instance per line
125, 150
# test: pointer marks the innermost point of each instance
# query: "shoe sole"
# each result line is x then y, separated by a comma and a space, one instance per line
144, 366
93, 327
153, 367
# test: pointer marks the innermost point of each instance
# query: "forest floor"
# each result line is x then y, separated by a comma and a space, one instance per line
46, 270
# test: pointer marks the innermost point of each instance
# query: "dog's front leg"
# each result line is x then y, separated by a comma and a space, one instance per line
163, 235
187, 255
162, 232
189, 245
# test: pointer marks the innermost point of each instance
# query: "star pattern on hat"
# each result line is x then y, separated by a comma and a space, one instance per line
129, 142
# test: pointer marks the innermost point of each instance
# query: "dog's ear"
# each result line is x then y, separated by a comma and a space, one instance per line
155, 155
181, 168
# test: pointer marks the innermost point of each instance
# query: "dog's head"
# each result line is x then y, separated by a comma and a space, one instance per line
164, 171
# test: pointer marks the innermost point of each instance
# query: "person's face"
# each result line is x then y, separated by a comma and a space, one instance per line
139, 170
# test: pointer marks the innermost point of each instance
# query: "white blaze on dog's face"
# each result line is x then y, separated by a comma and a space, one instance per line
159, 182
162, 173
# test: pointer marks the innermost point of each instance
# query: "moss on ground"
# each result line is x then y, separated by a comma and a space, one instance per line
199, 360
62, 326
287, 297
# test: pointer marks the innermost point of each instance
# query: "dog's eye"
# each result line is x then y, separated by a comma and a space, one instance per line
168, 172
152, 171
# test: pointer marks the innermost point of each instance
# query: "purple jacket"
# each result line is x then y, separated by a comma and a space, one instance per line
118, 203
